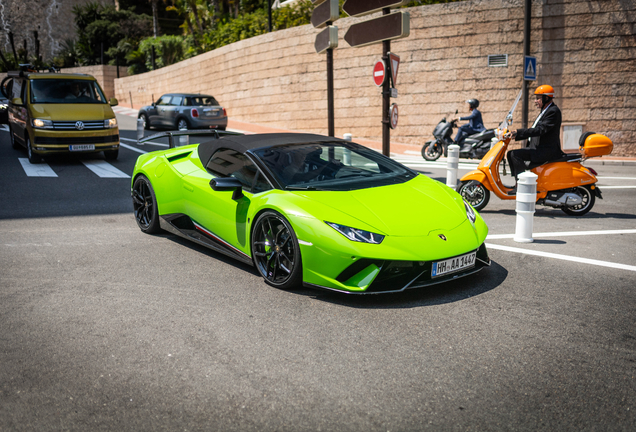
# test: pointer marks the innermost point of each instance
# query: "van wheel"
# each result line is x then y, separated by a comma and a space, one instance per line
33, 158
111, 154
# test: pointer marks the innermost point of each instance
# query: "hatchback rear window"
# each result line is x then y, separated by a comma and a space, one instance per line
201, 101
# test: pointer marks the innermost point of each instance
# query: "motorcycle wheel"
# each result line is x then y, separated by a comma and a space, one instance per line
588, 198
474, 193
431, 152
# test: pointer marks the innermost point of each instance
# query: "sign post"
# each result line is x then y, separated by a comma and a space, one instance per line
388, 27
325, 12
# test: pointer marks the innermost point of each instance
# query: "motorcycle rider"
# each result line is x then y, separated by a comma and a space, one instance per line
475, 123
545, 143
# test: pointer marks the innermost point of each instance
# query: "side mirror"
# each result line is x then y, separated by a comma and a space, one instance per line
227, 184
17, 101
113, 102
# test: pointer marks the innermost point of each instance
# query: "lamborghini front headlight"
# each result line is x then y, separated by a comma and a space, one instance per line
357, 235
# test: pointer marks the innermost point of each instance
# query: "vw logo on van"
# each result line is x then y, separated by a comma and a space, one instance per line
79, 125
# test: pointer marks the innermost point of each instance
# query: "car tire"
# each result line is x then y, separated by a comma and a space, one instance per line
144, 117
111, 154
182, 124
275, 251
588, 197
474, 193
145, 206
33, 158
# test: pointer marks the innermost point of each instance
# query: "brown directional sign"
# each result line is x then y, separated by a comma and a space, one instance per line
328, 11
386, 27
327, 39
363, 7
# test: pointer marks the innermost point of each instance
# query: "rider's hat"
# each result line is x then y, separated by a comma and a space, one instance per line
546, 90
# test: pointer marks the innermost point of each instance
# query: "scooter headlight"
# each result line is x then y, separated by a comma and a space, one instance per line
470, 213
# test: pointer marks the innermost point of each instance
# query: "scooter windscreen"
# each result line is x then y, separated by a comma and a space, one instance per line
508, 120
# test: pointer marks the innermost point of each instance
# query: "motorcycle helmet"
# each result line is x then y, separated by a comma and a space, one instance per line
473, 103
546, 92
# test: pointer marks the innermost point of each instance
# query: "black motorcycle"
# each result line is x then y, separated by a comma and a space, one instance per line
471, 146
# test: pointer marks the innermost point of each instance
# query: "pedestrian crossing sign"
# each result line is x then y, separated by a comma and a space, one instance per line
530, 68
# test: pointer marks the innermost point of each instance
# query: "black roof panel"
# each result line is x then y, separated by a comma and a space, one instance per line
243, 143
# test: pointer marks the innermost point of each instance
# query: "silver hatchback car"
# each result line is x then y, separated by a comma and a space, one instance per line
184, 111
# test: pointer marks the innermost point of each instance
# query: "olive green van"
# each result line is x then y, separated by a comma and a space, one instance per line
60, 113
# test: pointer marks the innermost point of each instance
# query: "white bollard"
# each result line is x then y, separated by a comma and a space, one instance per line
346, 154
140, 130
452, 165
184, 140
526, 199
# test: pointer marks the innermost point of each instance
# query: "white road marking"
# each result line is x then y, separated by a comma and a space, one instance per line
578, 260
135, 149
4, 127
616, 187
36, 170
616, 178
565, 234
104, 169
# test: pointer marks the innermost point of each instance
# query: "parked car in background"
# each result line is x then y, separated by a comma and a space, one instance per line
184, 111
59, 113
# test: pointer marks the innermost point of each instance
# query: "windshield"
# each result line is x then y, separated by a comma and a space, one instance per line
331, 166
201, 101
63, 91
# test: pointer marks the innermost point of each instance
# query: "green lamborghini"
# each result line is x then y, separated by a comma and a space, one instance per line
311, 210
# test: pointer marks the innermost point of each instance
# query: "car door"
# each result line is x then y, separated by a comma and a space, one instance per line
171, 111
157, 117
216, 211
18, 114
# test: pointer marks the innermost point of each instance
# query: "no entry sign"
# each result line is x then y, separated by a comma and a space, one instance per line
379, 72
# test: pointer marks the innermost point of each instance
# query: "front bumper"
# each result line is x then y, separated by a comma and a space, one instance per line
397, 276
48, 142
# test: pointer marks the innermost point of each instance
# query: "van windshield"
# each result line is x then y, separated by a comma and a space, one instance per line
63, 91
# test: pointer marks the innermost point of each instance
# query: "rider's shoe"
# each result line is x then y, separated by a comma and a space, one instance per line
513, 191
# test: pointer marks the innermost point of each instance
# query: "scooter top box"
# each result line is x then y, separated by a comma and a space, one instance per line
597, 145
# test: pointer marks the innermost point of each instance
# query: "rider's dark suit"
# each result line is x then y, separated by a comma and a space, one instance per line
544, 145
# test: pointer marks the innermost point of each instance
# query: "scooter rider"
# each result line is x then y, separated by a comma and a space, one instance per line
545, 144
475, 122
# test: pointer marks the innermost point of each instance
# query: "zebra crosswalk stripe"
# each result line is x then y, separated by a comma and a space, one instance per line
36, 170
104, 169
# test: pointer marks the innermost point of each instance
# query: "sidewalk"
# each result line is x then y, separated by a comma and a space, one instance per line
396, 148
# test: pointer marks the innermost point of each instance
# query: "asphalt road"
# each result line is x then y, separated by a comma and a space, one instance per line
105, 328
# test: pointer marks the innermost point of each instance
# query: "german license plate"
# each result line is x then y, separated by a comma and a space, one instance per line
82, 147
453, 265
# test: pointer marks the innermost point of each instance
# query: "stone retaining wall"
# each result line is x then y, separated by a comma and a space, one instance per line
585, 48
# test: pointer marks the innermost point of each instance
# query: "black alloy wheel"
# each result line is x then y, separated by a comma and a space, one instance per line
588, 198
474, 193
432, 151
276, 252
145, 206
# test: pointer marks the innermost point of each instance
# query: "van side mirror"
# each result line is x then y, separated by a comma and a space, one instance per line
17, 101
227, 184
113, 102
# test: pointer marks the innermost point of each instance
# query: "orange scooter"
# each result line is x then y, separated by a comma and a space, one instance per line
563, 183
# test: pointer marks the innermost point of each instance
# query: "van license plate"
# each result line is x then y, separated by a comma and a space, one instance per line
452, 265
82, 147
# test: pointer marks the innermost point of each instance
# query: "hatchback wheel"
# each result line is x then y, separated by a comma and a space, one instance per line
182, 124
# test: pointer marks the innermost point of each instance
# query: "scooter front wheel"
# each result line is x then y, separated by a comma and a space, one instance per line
431, 151
474, 193
588, 198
